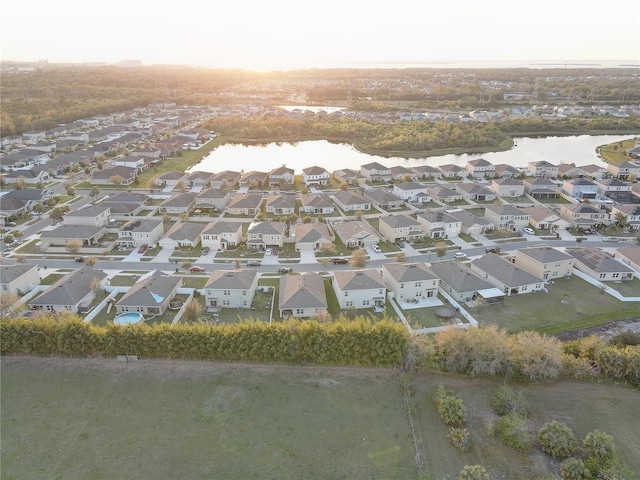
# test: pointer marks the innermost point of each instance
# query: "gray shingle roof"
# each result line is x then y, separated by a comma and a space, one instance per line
302, 291
231, 279
358, 279
9, 273
504, 271
70, 289
598, 260
71, 231
399, 221
459, 278
150, 291
544, 254
409, 272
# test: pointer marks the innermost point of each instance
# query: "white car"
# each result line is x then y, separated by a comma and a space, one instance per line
268, 252
528, 230
376, 248
460, 255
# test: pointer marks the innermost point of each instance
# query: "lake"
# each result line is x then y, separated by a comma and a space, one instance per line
580, 150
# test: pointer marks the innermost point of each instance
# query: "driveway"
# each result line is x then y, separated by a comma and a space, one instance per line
308, 256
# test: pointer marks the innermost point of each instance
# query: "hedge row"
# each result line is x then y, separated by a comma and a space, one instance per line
358, 342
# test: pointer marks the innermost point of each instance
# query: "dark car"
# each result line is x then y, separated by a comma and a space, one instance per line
205, 250
284, 270
80, 259
492, 249
340, 261
253, 263
400, 243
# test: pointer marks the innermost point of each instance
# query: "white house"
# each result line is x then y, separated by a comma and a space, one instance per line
412, 192
315, 176
231, 289
439, 224
221, 235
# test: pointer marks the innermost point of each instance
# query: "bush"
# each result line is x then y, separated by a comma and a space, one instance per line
622, 363
450, 407
600, 445
573, 469
557, 439
506, 400
473, 472
625, 339
514, 432
460, 438
537, 358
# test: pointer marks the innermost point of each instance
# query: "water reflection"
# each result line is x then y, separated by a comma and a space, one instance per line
580, 150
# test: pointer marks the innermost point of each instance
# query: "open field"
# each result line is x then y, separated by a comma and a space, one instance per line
102, 419
570, 304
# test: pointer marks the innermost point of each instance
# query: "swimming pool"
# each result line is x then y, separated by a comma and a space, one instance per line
128, 318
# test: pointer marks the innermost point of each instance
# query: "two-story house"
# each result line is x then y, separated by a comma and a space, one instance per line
480, 168
266, 234
281, 177
221, 235
624, 170
615, 189
439, 224
138, 232
399, 227
506, 216
580, 188
18, 279
410, 281
583, 215
315, 176
507, 187
542, 168
359, 289
630, 211
412, 192
375, 172
544, 262
97, 216
231, 289
351, 202
541, 188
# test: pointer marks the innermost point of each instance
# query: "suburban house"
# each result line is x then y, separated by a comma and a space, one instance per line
131, 162
198, 179
245, 204
254, 180
375, 172
463, 285
182, 234
225, 180
506, 216
445, 194
349, 176
624, 170
480, 168
507, 187
277, 204
125, 204
316, 203
599, 265
281, 177
471, 224
544, 262
630, 255
544, 218
312, 236
450, 170
359, 289
630, 211
351, 202
266, 234
212, 199
31, 176
542, 168
221, 235
72, 293
410, 282
25, 198
595, 172
315, 176
580, 188
399, 227
178, 203
97, 216
614, 189
439, 224
125, 176
170, 179
504, 275
427, 172
412, 192
231, 289
138, 232
356, 234
151, 294
568, 171
583, 215
18, 279
475, 192
302, 296
383, 199
60, 236
541, 187
398, 172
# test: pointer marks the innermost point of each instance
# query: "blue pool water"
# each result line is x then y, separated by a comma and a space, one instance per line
128, 318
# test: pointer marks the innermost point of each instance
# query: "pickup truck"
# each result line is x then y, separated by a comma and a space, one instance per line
340, 261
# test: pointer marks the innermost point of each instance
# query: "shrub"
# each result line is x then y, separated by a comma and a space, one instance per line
452, 410
473, 472
557, 439
586, 347
622, 363
460, 438
506, 400
625, 339
576, 367
537, 358
573, 469
514, 432
600, 445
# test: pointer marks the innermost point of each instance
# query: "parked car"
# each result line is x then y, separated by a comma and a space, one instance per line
267, 252
143, 248
80, 259
253, 263
196, 268
400, 243
528, 231
492, 249
376, 248
205, 250
460, 255
284, 270
11, 224
340, 260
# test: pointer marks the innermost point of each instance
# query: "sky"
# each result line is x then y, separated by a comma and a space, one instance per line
274, 35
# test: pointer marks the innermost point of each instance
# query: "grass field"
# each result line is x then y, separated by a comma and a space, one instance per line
102, 419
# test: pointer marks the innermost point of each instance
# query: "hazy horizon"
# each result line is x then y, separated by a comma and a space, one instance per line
287, 35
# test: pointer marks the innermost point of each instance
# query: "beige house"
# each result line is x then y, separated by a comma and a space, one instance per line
302, 296
231, 289
599, 265
357, 234
215, 199
351, 202
136, 233
221, 235
61, 236
583, 215
410, 281
266, 234
317, 204
439, 224
501, 273
506, 216
312, 236
359, 289
178, 203
544, 218
281, 177
18, 279
399, 227
507, 187
544, 262
72, 293
280, 204
245, 204
96, 216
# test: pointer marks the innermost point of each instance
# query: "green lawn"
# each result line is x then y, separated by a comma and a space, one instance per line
570, 304
629, 288
615, 152
162, 419
167, 420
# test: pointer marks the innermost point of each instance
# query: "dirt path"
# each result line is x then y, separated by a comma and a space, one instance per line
604, 331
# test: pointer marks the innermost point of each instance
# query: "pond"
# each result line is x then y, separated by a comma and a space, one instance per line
580, 149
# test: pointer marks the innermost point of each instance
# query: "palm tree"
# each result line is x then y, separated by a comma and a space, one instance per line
621, 219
